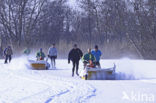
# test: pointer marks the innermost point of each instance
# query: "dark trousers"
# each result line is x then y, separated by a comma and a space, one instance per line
75, 64
7, 57
52, 58
98, 64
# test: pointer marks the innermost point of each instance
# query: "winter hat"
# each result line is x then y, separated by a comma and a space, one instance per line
96, 46
75, 45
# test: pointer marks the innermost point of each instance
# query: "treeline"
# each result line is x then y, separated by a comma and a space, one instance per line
121, 28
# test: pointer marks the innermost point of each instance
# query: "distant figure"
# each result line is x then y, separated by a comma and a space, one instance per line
97, 54
89, 58
75, 55
52, 54
40, 55
8, 54
27, 51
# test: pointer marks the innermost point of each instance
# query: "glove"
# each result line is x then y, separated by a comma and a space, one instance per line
48, 56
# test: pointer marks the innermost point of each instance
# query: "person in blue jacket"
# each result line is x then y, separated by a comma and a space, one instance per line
97, 53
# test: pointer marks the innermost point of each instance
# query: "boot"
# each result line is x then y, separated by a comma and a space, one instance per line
77, 73
73, 74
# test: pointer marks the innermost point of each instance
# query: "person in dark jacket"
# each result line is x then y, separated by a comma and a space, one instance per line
8, 54
75, 55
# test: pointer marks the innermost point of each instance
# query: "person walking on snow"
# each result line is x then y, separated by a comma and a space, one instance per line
8, 54
75, 55
40, 55
97, 54
52, 54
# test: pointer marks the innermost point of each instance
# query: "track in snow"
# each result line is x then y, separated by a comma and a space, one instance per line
20, 85
42, 87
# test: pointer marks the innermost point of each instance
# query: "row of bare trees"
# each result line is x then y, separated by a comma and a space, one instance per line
120, 27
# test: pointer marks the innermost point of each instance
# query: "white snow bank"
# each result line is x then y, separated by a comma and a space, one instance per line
17, 63
132, 69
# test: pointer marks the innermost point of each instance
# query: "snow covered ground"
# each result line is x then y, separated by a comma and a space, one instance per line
18, 84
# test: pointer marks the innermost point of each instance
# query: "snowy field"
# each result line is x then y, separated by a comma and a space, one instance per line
136, 83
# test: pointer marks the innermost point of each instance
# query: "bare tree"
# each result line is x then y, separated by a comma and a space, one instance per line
19, 18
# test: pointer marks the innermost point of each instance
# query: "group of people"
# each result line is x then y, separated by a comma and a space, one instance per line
52, 54
92, 57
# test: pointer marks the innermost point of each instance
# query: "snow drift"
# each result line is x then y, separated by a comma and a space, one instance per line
126, 69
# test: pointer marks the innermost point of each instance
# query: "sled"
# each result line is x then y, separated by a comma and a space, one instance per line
95, 73
39, 65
